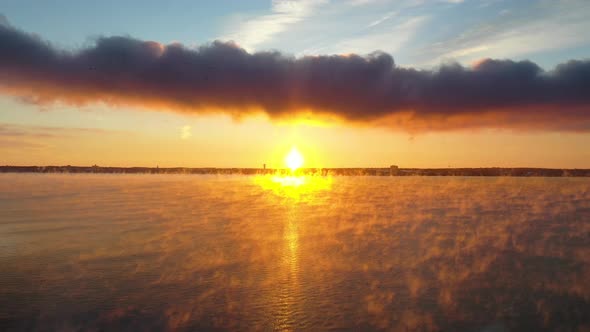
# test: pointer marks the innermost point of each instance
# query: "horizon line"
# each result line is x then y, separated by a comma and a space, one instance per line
301, 168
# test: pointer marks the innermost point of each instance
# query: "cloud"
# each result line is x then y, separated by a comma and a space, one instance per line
185, 132
222, 77
258, 30
382, 19
3, 20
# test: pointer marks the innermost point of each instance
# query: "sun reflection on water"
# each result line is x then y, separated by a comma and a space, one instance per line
294, 186
292, 190
289, 305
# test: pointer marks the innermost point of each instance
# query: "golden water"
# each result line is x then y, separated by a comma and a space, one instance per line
182, 252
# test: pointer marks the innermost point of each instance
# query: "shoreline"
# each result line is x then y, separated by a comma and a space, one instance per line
357, 171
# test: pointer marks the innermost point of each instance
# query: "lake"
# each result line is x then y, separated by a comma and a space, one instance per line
205, 252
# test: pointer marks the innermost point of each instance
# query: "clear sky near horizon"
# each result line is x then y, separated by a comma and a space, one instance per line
420, 34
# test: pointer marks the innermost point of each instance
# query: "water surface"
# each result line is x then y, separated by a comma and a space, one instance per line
187, 252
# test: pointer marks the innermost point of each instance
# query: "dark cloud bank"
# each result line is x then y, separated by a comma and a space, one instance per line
371, 90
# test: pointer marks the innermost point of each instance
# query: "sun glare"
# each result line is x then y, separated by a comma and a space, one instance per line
294, 159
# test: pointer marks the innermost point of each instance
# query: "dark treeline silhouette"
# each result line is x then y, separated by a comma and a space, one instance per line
488, 171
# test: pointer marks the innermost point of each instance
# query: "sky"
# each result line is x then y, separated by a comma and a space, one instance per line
350, 83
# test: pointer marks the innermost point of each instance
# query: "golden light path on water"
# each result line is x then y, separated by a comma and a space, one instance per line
294, 186
294, 190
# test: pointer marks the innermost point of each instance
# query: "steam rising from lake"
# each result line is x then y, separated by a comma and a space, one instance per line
182, 252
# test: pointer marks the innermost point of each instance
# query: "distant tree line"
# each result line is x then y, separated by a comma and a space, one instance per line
490, 171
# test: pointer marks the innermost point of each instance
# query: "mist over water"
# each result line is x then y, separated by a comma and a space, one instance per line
186, 252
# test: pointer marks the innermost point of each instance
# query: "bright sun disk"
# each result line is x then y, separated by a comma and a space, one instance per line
294, 159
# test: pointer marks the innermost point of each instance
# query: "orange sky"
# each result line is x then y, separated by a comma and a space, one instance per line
126, 137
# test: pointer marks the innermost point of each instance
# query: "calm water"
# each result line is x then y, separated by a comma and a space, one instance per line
175, 252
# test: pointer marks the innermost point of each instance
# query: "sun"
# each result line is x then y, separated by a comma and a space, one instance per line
294, 159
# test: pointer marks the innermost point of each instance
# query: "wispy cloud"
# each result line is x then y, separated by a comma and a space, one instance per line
20, 144
365, 2
16, 131
16, 136
404, 3
552, 26
257, 30
389, 39
37, 134
382, 19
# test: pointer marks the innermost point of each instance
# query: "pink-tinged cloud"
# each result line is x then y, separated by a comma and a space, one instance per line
223, 77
